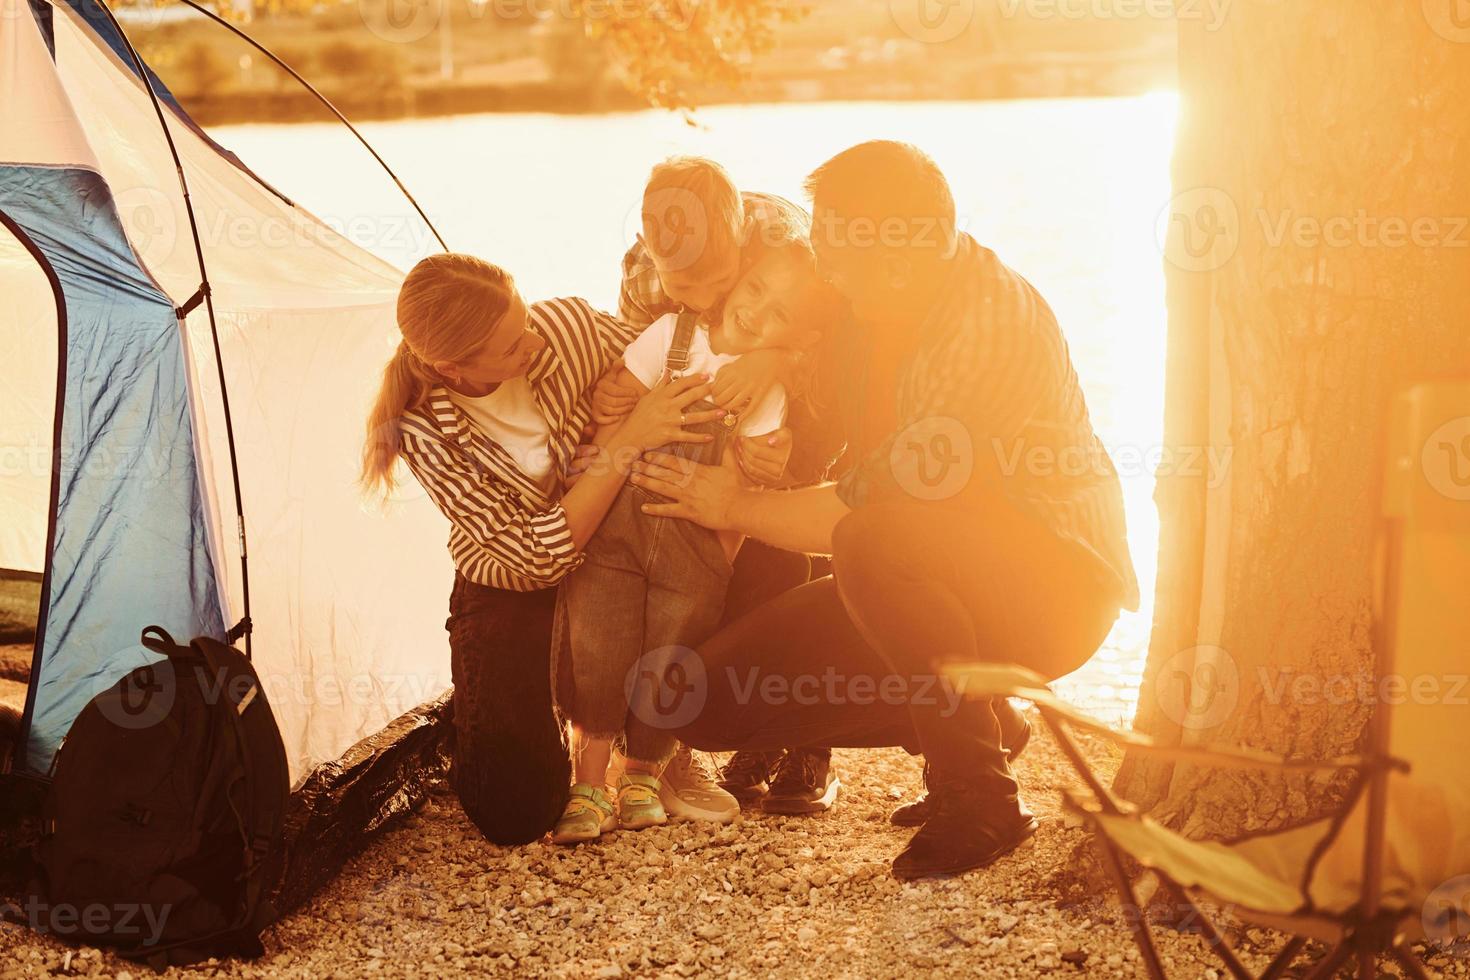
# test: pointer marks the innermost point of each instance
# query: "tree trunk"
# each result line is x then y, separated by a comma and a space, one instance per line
1319, 261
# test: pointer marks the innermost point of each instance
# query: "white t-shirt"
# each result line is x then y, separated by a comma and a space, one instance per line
510, 417
646, 355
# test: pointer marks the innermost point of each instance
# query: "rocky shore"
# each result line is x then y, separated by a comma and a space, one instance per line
764, 896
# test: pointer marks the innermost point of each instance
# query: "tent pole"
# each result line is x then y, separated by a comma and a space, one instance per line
324, 101
244, 626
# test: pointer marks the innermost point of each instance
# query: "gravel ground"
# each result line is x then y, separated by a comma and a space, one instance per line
766, 895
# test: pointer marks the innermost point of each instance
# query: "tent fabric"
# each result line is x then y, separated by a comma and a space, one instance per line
28, 361
348, 599
130, 529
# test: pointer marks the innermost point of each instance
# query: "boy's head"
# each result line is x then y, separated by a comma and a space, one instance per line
693, 227
779, 301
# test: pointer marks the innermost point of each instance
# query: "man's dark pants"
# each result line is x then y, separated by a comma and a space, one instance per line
854, 659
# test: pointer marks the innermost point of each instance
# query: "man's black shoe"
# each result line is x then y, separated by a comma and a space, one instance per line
747, 775
969, 829
1015, 734
804, 783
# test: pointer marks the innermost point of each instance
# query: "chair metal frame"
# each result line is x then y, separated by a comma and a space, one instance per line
1362, 937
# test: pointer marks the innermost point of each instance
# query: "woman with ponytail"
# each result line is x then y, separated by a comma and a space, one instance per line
486, 400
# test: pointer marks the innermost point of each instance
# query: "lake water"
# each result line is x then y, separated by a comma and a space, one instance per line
1066, 191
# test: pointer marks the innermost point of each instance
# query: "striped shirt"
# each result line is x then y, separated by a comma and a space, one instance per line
989, 394
505, 529
642, 298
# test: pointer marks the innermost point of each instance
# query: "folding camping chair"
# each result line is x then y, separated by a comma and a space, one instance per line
1394, 861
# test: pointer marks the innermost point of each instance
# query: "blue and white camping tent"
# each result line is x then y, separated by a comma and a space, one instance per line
117, 475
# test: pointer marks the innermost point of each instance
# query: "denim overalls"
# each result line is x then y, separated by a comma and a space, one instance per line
649, 590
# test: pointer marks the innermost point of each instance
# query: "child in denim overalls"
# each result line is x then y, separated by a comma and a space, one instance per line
653, 587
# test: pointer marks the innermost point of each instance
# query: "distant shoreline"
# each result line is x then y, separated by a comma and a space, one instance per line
239, 109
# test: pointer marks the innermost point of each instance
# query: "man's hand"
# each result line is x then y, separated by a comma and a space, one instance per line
614, 396
700, 493
763, 459
743, 384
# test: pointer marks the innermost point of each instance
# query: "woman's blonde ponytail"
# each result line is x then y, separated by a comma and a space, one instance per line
446, 308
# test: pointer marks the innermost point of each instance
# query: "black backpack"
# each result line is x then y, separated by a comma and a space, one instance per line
161, 830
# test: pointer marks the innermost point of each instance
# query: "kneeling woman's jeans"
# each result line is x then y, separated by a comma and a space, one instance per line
511, 767
651, 588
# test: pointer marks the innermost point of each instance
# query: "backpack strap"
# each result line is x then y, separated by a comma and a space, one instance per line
257, 845
677, 361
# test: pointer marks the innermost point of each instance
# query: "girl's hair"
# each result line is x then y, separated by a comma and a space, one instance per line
446, 307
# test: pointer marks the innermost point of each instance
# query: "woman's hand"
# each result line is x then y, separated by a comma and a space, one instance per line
744, 383
701, 493
660, 415
582, 460
763, 458
613, 398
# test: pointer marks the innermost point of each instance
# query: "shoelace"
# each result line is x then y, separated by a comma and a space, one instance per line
805, 764
748, 765
692, 768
